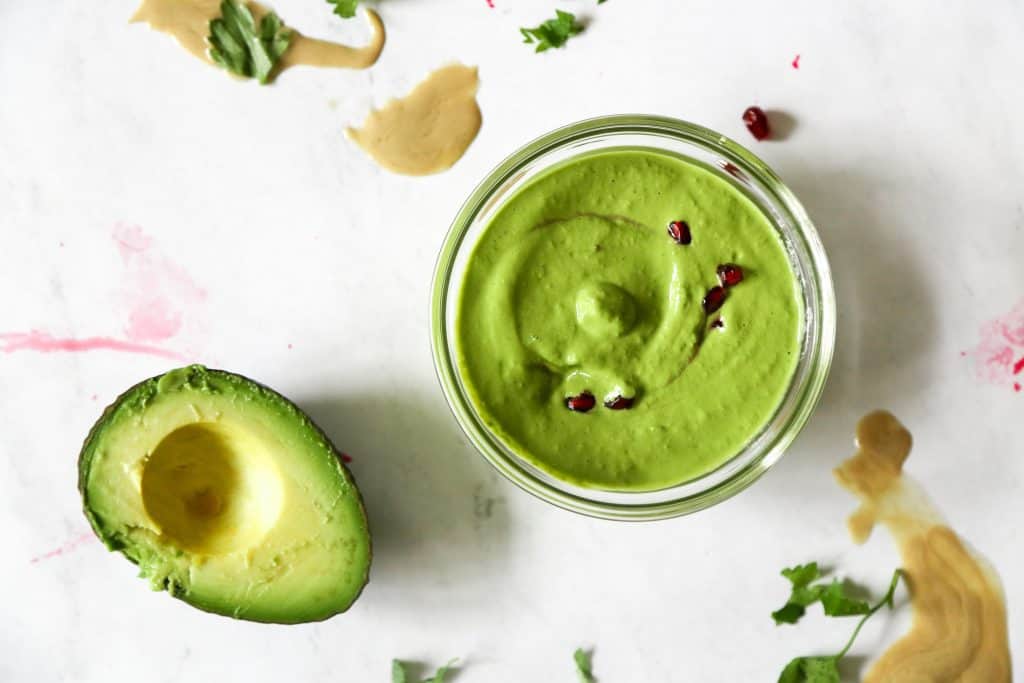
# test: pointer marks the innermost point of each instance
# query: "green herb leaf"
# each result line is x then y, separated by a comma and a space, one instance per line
400, 675
583, 669
398, 672
838, 604
826, 669
802, 593
811, 670
802, 574
345, 8
833, 596
242, 47
441, 673
553, 32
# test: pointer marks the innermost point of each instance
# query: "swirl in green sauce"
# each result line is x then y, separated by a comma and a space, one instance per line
575, 285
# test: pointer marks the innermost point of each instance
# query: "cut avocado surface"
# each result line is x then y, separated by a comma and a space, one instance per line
228, 497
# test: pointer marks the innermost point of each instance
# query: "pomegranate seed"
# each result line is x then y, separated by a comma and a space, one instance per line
732, 169
619, 403
729, 274
581, 403
757, 123
718, 323
680, 232
714, 299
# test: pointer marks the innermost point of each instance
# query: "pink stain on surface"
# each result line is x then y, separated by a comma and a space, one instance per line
155, 322
490, 3
43, 342
65, 548
796, 62
159, 291
999, 355
131, 240
159, 297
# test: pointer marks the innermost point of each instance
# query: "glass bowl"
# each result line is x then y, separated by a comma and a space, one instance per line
743, 170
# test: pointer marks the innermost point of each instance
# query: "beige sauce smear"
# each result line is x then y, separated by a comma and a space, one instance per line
430, 129
188, 21
959, 630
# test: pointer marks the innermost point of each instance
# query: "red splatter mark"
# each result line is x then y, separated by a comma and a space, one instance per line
67, 547
1016, 387
490, 3
998, 356
43, 342
289, 347
346, 458
796, 62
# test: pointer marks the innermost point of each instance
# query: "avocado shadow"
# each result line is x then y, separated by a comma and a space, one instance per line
436, 509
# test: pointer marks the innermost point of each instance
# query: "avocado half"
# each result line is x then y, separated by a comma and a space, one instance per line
227, 496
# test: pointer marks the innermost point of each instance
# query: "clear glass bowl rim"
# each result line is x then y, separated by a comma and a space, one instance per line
818, 348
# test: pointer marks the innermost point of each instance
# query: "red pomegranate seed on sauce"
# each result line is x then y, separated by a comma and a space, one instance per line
714, 299
581, 403
757, 123
729, 274
619, 403
680, 232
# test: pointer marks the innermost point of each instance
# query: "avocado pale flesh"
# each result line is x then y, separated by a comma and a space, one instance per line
228, 497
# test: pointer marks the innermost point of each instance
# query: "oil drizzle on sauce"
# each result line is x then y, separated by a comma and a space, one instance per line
959, 630
428, 130
188, 22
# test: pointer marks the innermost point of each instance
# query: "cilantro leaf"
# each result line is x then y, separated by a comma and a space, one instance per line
838, 604
811, 670
553, 32
826, 669
802, 574
398, 672
400, 675
344, 8
243, 48
802, 594
583, 669
441, 673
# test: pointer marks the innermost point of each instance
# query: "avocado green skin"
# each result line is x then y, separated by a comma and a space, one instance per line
145, 389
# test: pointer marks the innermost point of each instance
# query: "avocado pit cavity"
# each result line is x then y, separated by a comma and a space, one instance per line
211, 489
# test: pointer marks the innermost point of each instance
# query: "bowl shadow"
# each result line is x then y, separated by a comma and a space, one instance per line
887, 322
436, 509
886, 309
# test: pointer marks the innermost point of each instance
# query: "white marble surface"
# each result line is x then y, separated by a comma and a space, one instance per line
908, 152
